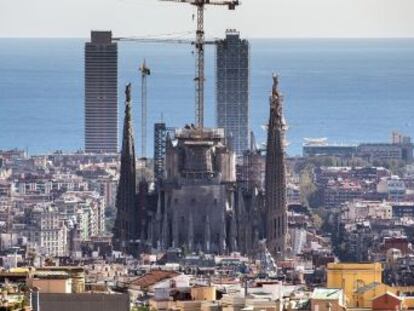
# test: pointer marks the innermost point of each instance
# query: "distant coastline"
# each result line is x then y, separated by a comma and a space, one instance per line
355, 90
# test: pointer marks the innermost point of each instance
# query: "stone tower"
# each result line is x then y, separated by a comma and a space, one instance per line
126, 229
275, 180
198, 193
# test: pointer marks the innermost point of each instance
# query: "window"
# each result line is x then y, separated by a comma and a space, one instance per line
360, 283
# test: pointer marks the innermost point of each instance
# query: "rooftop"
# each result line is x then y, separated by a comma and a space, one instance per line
327, 293
153, 277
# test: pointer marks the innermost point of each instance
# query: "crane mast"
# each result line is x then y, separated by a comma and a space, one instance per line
199, 46
199, 79
145, 71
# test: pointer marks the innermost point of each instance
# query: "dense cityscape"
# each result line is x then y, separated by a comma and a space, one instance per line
210, 219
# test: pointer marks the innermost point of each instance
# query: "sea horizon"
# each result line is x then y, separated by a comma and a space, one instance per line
350, 90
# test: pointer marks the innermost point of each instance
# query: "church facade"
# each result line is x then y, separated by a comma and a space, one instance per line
200, 205
200, 208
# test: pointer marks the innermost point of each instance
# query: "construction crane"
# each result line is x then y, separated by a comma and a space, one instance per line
145, 71
199, 46
157, 39
153, 40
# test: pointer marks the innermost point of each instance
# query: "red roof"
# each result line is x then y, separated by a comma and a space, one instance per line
153, 277
386, 302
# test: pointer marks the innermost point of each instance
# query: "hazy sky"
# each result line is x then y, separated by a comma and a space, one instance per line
254, 18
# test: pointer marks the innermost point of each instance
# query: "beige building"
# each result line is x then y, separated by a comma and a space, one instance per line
351, 276
51, 282
75, 278
203, 293
362, 210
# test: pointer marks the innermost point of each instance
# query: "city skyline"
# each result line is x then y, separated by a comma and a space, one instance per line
278, 18
272, 184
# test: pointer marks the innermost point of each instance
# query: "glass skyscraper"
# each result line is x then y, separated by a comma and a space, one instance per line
232, 83
101, 93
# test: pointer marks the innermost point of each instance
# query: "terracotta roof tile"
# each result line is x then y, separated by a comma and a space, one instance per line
153, 277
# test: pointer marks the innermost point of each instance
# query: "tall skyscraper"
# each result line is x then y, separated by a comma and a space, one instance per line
126, 221
275, 178
101, 93
232, 79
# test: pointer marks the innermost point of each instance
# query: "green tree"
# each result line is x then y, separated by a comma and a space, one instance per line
317, 221
309, 191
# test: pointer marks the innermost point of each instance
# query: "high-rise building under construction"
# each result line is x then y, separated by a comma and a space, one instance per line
160, 143
101, 93
232, 89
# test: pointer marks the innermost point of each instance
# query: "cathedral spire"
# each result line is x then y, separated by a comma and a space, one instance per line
128, 145
275, 180
125, 229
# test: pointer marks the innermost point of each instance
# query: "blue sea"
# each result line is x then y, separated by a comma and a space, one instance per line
347, 90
